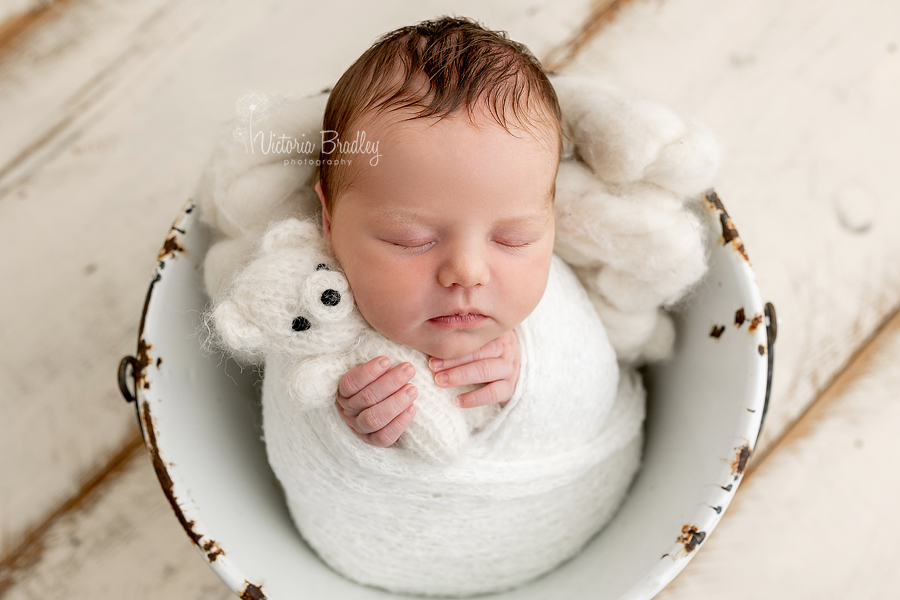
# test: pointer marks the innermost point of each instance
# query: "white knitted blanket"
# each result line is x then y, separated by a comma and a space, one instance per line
547, 472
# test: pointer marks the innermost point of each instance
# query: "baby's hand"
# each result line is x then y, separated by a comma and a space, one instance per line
495, 364
377, 401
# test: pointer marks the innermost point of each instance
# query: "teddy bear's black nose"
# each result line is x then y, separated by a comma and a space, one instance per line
301, 324
331, 297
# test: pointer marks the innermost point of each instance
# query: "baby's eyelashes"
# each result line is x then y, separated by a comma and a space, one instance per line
514, 246
413, 246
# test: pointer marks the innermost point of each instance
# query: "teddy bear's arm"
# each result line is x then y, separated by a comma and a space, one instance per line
313, 382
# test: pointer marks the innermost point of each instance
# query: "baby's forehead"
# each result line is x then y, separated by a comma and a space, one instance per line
401, 122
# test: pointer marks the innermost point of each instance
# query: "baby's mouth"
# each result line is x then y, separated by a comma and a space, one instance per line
467, 319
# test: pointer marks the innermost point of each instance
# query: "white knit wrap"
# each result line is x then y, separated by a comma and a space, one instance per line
469, 502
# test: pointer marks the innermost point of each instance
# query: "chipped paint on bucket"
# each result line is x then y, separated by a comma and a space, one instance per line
202, 426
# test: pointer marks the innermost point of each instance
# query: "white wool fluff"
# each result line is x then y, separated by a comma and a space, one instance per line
469, 500
624, 138
637, 247
243, 189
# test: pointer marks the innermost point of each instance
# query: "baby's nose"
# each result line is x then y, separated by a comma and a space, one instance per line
466, 268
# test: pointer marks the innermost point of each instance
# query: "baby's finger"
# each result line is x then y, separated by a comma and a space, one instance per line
493, 349
381, 388
492, 393
350, 420
376, 417
391, 432
359, 377
481, 371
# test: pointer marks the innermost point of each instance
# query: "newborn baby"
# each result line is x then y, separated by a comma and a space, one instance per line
446, 237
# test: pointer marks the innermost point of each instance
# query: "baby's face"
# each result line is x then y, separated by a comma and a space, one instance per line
447, 241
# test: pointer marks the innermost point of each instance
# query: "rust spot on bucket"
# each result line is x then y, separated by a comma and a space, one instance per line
212, 550
143, 361
762, 350
171, 246
740, 461
755, 322
691, 537
729, 231
252, 592
739, 317
162, 474
717, 331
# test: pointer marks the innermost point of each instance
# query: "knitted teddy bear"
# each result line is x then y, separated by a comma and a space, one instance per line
292, 308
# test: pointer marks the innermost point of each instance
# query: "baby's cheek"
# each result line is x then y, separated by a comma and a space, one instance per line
525, 286
389, 296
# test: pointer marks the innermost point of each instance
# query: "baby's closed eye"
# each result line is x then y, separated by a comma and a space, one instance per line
413, 245
517, 244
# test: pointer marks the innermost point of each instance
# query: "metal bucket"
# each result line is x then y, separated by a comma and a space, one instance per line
200, 417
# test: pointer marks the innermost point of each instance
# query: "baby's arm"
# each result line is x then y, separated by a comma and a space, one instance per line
376, 401
496, 364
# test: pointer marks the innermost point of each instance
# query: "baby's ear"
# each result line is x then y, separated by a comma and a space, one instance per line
290, 233
236, 331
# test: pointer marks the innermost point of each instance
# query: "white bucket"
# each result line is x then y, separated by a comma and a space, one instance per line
201, 422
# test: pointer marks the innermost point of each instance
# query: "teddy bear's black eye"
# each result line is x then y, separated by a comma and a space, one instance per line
300, 324
322, 267
331, 297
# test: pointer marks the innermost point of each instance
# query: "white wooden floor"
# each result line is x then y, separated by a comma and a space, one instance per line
107, 114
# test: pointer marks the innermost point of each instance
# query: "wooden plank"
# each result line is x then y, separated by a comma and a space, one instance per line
817, 518
110, 111
122, 543
804, 97
55, 60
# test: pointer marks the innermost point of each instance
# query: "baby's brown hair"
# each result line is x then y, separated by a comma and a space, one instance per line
447, 63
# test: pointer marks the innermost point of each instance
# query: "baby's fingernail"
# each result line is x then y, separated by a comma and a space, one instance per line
412, 409
411, 391
442, 378
385, 362
457, 401
409, 370
435, 363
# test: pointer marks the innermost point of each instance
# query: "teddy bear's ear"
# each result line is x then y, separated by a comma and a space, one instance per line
236, 331
290, 233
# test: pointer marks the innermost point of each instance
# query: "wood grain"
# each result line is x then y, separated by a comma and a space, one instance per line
124, 543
